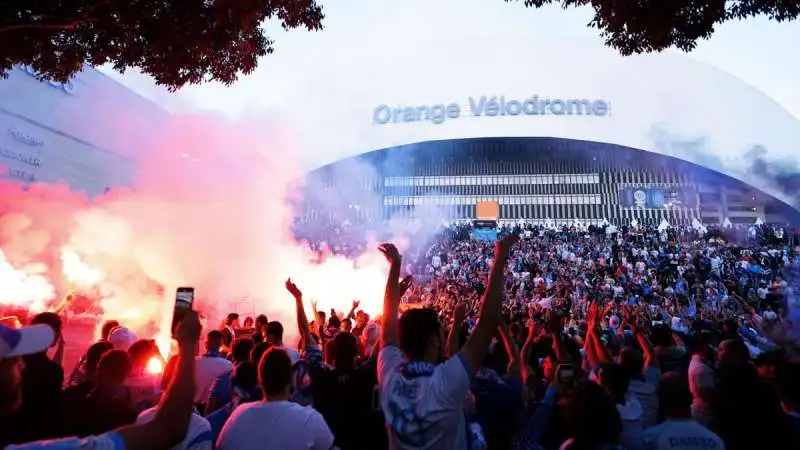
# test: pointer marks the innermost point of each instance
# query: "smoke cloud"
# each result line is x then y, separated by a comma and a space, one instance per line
780, 174
212, 209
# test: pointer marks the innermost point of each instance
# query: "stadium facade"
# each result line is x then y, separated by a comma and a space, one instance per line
85, 133
535, 180
550, 128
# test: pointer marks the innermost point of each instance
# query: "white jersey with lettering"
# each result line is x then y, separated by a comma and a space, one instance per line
686, 434
423, 403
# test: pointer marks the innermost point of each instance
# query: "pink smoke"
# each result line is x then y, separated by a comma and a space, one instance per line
210, 209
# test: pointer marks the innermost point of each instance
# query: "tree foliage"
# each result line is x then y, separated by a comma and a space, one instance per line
642, 26
176, 42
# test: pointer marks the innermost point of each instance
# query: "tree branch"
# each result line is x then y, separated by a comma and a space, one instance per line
68, 25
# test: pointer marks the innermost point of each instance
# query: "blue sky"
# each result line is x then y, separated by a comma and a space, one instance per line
762, 53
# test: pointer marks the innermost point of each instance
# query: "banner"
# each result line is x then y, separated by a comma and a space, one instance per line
484, 234
652, 198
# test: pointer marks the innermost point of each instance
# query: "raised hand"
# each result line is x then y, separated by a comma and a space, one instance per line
293, 289
504, 245
188, 330
356, 303
404, 284
390, 252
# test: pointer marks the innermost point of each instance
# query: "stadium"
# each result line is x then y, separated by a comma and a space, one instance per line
86, 133
647, 137
424, 126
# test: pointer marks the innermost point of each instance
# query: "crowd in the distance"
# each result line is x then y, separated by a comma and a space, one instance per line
547, 339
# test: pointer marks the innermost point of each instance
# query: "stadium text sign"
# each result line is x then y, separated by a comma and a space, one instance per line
485, 106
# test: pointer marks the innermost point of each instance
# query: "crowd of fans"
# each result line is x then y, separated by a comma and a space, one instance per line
567, 338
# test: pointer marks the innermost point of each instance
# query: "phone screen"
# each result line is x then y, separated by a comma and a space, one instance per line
564, 373
184, 299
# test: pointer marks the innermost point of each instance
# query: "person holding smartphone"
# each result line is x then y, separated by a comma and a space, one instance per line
168, 428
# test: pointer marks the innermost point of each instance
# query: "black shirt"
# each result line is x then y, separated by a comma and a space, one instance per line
346, 399
38, 415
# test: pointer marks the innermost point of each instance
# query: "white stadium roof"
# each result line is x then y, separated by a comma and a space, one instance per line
664, 103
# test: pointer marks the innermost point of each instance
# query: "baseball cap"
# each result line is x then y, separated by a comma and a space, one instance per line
122, 338
24, 341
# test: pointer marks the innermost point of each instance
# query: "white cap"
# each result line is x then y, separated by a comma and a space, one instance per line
25, 341
122, 338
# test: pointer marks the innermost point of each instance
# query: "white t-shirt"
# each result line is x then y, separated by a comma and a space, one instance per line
675, 434
209, 368
701, 377
646, 392
279, 425
198, 436
631, 414
423, 404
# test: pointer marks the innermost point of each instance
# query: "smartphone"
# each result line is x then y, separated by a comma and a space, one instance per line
565, 373
184, 299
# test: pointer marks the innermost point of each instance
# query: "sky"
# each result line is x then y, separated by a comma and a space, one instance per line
764, 54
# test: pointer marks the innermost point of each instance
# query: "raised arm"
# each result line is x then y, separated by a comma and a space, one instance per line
352, 314
171, 423
300, 310
474, 351
556, 336
392, 295
453, 345
514, 367
527, 349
